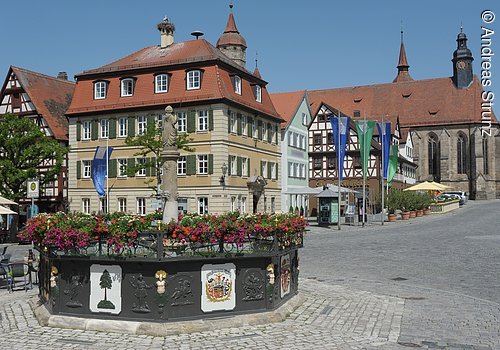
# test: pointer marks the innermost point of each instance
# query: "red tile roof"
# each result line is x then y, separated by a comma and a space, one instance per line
50, 96
216, 80
417, 103
286, 104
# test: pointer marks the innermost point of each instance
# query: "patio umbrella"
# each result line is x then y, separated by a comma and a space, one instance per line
4, 201
427, 186
4, 210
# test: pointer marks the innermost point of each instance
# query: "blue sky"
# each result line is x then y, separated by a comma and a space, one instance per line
301, 44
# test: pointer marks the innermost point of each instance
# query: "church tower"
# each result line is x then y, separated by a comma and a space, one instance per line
462, 63
403, 66
231, 43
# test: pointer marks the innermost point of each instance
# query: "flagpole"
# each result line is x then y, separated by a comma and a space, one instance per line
364, 170
382, 131
338, 172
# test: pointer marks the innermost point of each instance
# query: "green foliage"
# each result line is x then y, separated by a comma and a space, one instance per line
393, 201
24, 147
151, 146
105, 281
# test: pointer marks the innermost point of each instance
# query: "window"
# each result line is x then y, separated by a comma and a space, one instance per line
274, 175
233, 203
122, 205
86, 169
244, 166
87, 129
356, 114
104, 128
237, 84
273, 133
86, 205
122, 167
330, 138
142, 123
244, 125
232, 121
193, 79
461, 154
254, 128
202, 205
331, 162
317, 138
263, 169
296, 169
181, 165
290, 170
485, 156
263, 130
122, 127
273, 204
258, 93
181, 122
203, 120
243, 204
318, 163
141, 171
141, 206
433, 157
232, 165
302, 142
127, 87
203, 164
159, 120
304, 119
99, 90
103, 205
161, 83
295, 140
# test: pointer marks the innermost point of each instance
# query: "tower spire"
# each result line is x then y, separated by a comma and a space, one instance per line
231, 42
403, 66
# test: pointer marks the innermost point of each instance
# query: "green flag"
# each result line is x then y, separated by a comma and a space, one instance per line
393, 163
365, 132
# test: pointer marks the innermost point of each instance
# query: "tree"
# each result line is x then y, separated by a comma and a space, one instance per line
23, 149
105, 283
151, 143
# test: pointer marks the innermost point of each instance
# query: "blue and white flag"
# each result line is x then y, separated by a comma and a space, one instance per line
384, 133
99, 165
344, 134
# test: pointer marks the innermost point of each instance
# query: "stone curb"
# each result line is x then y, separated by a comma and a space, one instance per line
164, 329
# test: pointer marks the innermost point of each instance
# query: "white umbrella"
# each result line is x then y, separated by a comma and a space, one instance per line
4, 210
4, 201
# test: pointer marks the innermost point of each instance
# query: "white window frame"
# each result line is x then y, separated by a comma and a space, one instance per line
86, 130
104, 126
264, 169
203, 120
127, 87
243, 204
181, 122
304, 119
193, 79
103, 205
181, 165
122, 167
141, 205
233, 203
244, 125
142, 124
302, 171
86, 169
122, 204
273, 133
232, 122
100, 90
161, 83
141, 172
244, 166
202, 164
255, 132
237, 84
202, 205
274, 174
233, 165
86, 206
258, 93
123, 127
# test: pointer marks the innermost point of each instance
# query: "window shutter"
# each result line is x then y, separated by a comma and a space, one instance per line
269, 136
276, 133
151, 120
191, 121
95, 129
190, 164
79, 169
268, 170
210, 163
248, 167
130, 165
276, 167
261, 172
148, 166
229, 168
210, 119
259, 129
112, 128
238, 166
78, 130
249, 126
112, 168
131, 126
228, 120
238, 123
254, 90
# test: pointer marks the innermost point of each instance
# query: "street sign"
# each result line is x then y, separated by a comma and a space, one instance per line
33, 189
156, 203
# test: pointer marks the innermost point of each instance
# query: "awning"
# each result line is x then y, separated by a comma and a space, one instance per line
4, 210
4, 201
301, 190
427, 186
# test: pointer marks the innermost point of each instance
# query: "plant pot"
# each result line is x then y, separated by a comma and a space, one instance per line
392, 217
427, 211
420, 213
413, 214
405, 215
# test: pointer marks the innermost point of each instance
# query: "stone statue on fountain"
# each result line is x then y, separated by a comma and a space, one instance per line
170, 154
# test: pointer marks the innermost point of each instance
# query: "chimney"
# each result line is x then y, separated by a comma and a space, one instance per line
62, 75
167, 32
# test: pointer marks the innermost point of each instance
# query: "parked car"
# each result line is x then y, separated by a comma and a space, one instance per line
450, 196
462, 194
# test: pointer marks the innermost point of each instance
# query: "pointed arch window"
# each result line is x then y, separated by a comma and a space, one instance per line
433, 154
485, 156
461, 154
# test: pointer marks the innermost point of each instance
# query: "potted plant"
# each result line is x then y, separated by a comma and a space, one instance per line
427, 202
419, 204
403, 206
392, 204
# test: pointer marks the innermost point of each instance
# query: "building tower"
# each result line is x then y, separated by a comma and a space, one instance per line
231, 43
166, 29
403, 66
462, 62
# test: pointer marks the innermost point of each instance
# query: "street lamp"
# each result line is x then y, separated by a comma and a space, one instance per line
222, 179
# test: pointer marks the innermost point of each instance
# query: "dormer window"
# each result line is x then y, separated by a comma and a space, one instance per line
161, 83
99, 90
193, 79
127, 87
237, 84
258, 93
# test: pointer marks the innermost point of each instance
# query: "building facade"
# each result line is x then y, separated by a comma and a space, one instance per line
224, 108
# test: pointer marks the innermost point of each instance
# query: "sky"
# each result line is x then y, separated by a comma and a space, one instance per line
315, 44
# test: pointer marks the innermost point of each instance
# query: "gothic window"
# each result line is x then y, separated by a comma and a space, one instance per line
485, 156
461, 154
433, 157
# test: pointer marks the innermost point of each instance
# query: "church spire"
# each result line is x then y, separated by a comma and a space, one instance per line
231, 42
403, 66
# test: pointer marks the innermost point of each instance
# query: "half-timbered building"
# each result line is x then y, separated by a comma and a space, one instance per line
44, 99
